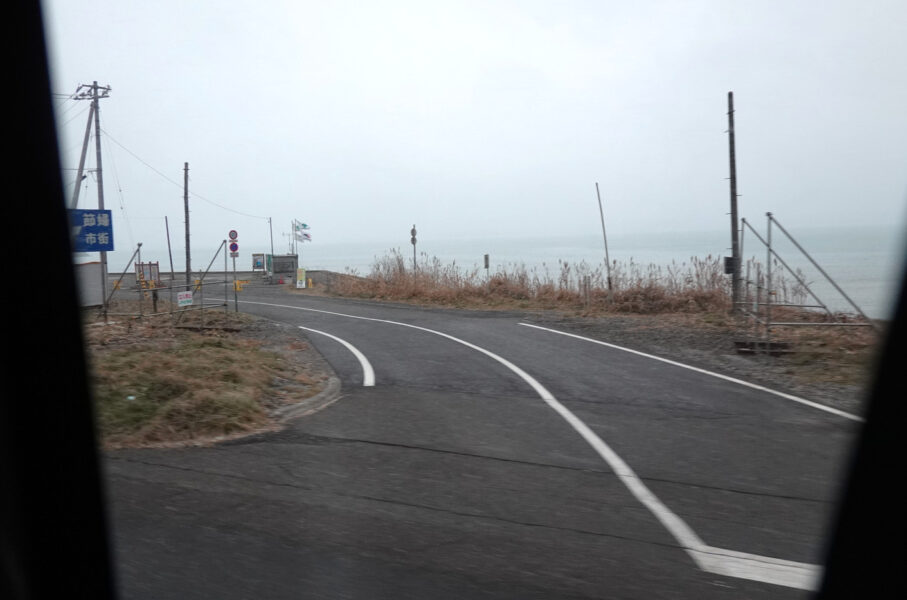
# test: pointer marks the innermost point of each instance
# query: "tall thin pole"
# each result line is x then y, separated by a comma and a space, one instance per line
78, 187
96, 105
768, 282
170, 254
735, 248
604, 235
186, 209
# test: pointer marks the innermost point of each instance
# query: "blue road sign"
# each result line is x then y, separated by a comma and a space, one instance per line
92, 230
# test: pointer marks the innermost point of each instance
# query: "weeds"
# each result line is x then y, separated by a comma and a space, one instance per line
153, 383
694, 286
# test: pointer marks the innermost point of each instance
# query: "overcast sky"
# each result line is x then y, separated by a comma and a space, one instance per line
486, 118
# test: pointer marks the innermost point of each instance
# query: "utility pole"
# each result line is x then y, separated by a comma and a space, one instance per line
735, 232
93, 92
186, 208
79, 174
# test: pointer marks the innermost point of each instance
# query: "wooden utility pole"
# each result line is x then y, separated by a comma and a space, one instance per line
186, 208
735, 231
93, 92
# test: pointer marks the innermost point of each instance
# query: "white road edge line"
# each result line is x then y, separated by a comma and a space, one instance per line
368, 374
754, 386
708, 558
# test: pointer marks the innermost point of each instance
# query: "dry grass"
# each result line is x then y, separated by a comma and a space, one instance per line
155, 383
694, 286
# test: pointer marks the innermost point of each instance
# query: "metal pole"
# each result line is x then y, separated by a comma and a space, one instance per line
821, 270
226, 287
789, 269
741, 292
170, 254
123, 274
271, 229
758, 301
768, 283
735, 250
141, 279
604, 235
186, 210
97, 138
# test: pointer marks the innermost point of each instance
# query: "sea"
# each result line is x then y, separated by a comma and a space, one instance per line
866, 263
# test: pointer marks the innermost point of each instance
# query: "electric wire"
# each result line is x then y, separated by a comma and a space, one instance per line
116, 178
177, 184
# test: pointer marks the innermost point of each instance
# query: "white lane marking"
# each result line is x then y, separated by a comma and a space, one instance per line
708, 558
754, 386
368, 374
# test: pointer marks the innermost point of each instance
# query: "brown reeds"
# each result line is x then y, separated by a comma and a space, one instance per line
694, 286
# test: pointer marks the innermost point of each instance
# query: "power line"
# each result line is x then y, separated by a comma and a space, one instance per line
179, 185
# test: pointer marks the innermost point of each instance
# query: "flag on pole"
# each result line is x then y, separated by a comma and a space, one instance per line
299, 231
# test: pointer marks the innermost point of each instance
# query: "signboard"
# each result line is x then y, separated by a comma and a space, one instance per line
92, 230
184, 299
300, 279
258, 262
234, 254
284, 264
148, 275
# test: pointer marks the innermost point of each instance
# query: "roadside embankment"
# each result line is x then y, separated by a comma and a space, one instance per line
159, 381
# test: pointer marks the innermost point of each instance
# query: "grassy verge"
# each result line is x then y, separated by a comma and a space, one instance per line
156, 383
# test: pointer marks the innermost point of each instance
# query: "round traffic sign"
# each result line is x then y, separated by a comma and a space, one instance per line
234, 246
233, 234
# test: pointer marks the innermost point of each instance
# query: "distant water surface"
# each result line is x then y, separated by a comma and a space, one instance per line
865, 262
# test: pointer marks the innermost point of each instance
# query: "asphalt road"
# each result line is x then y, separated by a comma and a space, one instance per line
489, 459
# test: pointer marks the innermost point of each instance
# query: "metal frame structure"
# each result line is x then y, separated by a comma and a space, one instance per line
760, 309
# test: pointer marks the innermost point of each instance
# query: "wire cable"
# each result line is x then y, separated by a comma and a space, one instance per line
179, 185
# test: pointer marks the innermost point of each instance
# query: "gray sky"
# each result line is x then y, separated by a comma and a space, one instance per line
476, 119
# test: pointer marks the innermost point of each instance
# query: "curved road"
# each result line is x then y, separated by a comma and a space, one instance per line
473, 455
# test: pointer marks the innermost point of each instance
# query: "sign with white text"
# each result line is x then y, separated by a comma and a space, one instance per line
92, 230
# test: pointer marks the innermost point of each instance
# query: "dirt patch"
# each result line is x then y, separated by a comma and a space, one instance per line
159, 381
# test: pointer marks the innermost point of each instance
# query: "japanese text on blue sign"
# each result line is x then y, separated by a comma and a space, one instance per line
92, 230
